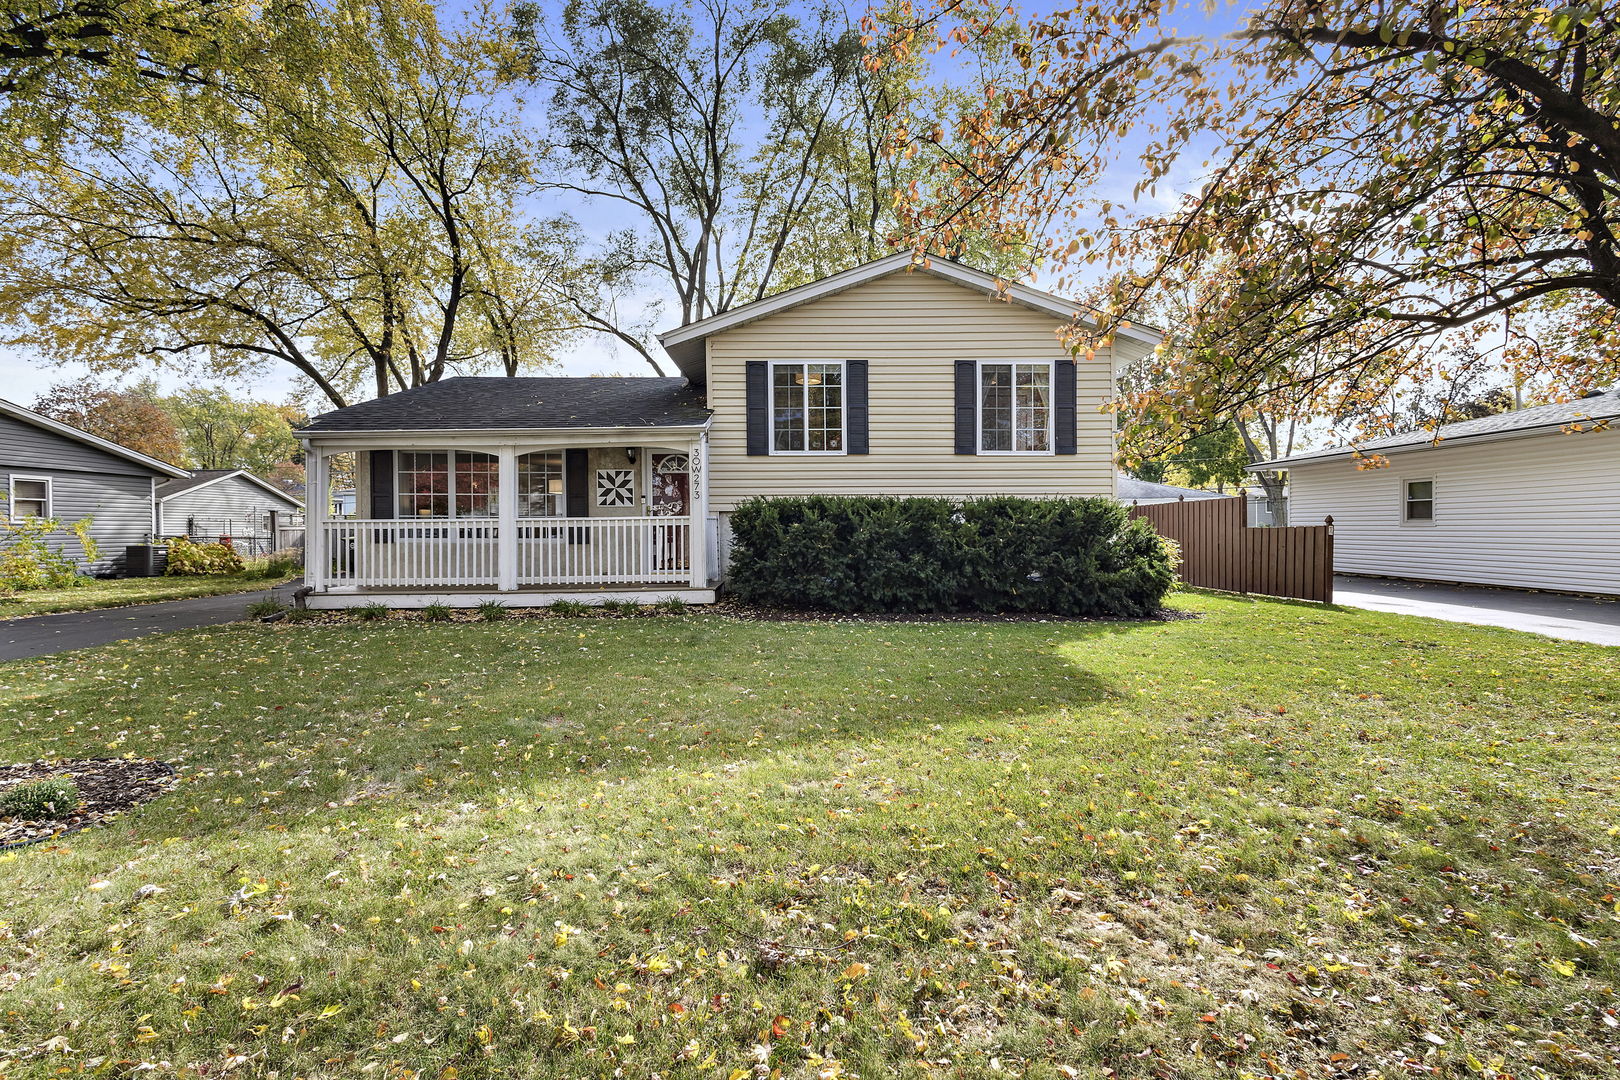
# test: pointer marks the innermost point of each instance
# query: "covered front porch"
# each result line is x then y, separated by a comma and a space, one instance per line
520, 519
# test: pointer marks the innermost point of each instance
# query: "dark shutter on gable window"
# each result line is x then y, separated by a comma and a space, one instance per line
967, 407
855, 414
1063, 406
758, 388
382, 484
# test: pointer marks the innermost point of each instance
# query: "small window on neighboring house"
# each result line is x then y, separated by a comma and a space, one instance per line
30, 497
1420, 500
807, 408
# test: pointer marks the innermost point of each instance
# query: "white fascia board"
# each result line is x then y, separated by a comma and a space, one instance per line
1347, 452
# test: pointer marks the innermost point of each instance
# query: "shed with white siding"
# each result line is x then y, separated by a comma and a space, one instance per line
1527, 499
214, 504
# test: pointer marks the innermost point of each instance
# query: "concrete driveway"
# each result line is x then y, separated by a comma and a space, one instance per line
1572, 618
42, 635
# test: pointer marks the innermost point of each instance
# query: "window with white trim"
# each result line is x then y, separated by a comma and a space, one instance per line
443, 484
807, 408
1015, 408
1419, 503
540, 484
30, 497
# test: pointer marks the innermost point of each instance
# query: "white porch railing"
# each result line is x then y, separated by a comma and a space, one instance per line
380, 553
591, 551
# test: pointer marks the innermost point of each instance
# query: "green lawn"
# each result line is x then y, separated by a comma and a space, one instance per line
1275, 840
121, 592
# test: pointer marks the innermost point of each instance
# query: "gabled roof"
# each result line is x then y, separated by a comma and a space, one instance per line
1541, 419
1130, 489
202, 478
532, 403
685, 344
68, 431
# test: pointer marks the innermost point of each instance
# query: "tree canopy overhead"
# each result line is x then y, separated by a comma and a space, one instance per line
1372, 193
344, 206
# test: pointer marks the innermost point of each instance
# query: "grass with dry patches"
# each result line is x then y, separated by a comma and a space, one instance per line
1277, 840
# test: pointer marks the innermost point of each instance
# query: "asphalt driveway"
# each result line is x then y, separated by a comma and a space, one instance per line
1572, 618
42, 635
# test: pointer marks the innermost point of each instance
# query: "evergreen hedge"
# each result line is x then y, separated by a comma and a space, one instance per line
1002, 554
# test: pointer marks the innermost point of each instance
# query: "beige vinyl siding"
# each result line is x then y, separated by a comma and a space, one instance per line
1539, 512
911, 328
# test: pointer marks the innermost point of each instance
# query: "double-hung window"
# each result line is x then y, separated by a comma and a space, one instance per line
540, 484
30, 497
1015, 408
443, 484
1418, 504
807, 408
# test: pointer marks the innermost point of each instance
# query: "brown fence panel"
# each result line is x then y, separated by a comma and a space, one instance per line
1220, 551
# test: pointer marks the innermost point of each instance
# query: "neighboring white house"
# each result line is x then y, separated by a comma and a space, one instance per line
1529, 499
227, 504
897, 377
1133, 492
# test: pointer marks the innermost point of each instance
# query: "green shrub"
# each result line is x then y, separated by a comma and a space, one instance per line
373, 610
281, 565
621, 607
1082, 557
436, 612
189, 558
670, 605
266, 607
27, 561
492, 611
38, 800
570, 608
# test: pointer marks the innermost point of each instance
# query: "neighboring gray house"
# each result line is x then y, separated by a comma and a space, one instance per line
211, 504
49, 469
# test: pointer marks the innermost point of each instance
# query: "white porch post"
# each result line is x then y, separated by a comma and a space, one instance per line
316, 501
697, 541
506, 511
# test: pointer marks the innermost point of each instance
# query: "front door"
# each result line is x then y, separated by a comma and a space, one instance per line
671, 488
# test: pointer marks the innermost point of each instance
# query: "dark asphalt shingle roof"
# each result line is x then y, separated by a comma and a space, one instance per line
198, 478
1598, 407
167, 489
536, 402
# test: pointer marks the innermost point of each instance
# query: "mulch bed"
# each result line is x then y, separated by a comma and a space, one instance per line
108, 786
735, 609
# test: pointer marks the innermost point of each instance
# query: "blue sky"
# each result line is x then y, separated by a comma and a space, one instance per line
24, 375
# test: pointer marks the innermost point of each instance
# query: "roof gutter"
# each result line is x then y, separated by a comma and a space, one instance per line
497, 434
1406, 448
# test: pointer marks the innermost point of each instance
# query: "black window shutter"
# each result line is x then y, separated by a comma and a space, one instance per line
577, 491
855, 414
577, 482
382, 484
1063, 407
759, 407
967, 407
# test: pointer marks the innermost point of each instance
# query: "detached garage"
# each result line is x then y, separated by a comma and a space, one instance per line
1527, 499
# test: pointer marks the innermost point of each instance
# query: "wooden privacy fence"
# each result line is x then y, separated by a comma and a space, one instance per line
1220, 551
